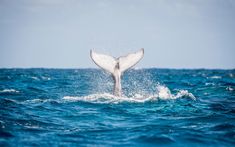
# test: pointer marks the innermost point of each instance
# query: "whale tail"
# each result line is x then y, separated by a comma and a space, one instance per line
110, 64
116, 66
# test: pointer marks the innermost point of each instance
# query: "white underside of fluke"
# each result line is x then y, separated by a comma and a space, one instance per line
116, 66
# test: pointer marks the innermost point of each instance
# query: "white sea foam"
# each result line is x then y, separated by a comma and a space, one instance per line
163, 93
108, 98
216, 77
35, 78
46, 78
229, 88
210, 84
231, 75
35, 101
9, 91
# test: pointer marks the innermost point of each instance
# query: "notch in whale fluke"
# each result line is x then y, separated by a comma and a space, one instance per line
116, 66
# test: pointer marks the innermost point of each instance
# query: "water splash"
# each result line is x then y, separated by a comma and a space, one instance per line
163, 93
67, 108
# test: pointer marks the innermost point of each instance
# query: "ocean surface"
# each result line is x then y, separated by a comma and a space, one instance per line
75, 107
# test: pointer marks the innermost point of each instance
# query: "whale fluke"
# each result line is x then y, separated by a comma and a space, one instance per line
116, 66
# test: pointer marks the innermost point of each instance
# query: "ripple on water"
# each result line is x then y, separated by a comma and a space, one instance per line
54, 107
155, 139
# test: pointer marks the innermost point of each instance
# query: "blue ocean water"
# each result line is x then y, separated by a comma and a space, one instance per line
75, 107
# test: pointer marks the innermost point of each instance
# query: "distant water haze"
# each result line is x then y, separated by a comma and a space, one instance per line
61, 33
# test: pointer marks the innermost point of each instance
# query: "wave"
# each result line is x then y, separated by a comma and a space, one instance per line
163, 93
108, 98
229, 88
215, 77
41, 78
9, 91
39, 101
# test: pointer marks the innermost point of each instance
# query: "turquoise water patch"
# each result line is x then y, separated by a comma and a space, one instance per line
44, 107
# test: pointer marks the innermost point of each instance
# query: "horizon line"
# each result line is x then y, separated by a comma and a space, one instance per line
134, 68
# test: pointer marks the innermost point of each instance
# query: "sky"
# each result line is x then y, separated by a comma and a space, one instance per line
61, 33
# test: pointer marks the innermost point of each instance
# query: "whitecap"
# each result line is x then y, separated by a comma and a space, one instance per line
210, 84
229, 88
35, 78
231, 75
215, 77
9, 91
35, 101
165, 93
46, 78
184, 93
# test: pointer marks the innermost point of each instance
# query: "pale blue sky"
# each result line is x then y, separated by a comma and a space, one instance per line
174, 33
